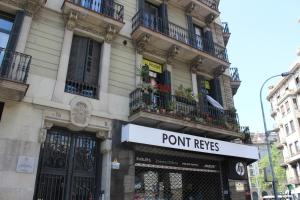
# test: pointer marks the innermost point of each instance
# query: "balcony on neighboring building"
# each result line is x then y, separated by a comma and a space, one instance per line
170, 112
235, 80
102, 16
226, 33
14, 70
173, 41
207, 9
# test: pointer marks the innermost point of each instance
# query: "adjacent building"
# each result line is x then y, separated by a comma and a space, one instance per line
103, 99
284, 100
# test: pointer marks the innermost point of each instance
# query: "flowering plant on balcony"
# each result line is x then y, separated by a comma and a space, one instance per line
185, 95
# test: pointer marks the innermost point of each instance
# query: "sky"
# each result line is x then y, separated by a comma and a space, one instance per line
265, 36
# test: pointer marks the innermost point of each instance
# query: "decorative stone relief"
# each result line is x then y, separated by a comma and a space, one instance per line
172, 53
111, 32
43, 131
102, 134
33, 6
190, 8
196, 63
219, 71
72, 20
80, 112
210, 18
142, 42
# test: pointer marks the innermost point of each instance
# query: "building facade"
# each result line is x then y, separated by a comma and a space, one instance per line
103, 99
257, 192
284, 98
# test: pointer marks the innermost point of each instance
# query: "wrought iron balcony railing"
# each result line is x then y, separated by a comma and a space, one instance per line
185, 109
14, 65
234, 73
225, 27
178, 33
81, 88
213, 4
107, 8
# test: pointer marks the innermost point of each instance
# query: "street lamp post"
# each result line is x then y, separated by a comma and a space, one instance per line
268, 132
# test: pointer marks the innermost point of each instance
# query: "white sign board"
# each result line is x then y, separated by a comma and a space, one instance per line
169, 139
25, 164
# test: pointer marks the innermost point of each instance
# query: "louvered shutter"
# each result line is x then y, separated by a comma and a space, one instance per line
77, 60
209, 42
216, 90
163, 18
92, 63
15, 32
202, 93
191, 30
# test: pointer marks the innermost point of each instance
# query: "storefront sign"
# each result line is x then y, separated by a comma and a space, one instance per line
158, 137
153, 66
192, 163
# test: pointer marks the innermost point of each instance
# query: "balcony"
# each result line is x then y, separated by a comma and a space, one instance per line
235, 80
180, 114
106, 16
226, 33
30, 6
81, 88
173, 41
207, 9
13, 74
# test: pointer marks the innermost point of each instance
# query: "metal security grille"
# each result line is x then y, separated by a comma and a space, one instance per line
68, 167
161, 177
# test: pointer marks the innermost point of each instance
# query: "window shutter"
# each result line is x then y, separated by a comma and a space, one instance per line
77, 60
92, 63
15, 32
216, 90
191, 30
167, 80
202, 92
209, 42
163, 14
108, 7
141, 4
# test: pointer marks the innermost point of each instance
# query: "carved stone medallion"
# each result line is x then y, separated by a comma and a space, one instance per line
80, 112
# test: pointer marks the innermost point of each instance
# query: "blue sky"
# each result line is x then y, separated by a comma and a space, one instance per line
265, 36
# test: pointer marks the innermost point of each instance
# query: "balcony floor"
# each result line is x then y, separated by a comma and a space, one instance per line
12, 90
179, 125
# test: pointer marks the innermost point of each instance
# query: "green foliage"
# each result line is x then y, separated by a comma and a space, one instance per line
278, 170
184, 92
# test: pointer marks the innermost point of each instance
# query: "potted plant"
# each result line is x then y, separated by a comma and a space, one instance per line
171, 107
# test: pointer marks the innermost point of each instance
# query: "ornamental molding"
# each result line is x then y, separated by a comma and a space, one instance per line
33, 6
72, 20
172, 53
111, 32
142, 43
190, 8
81, 111
196, 63
210, 19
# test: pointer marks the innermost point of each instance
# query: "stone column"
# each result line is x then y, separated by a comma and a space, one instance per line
106, 167
104, 68
63, 67
25, 29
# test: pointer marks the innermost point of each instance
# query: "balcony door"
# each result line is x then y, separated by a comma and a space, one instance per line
198, 37
151, 18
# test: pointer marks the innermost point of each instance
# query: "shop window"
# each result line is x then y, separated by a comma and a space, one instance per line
292, 126
287, 106
83, 69
1, 109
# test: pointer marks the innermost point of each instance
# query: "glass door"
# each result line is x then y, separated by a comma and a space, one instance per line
151, 16
199, 37
6, 24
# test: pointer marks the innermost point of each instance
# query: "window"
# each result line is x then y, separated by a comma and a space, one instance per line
6, 24
287, 106
297, 146
83, 70
199, 36
1, 109
291, 149
297, 80
292, 126
287, 130
295, 103
282, 110
278, 98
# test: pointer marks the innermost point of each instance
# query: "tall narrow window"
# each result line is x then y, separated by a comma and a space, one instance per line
292, 126
1, 109
287, 106
199, 37
282, 110
295, 103
297, 146
83, 71
287, 129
